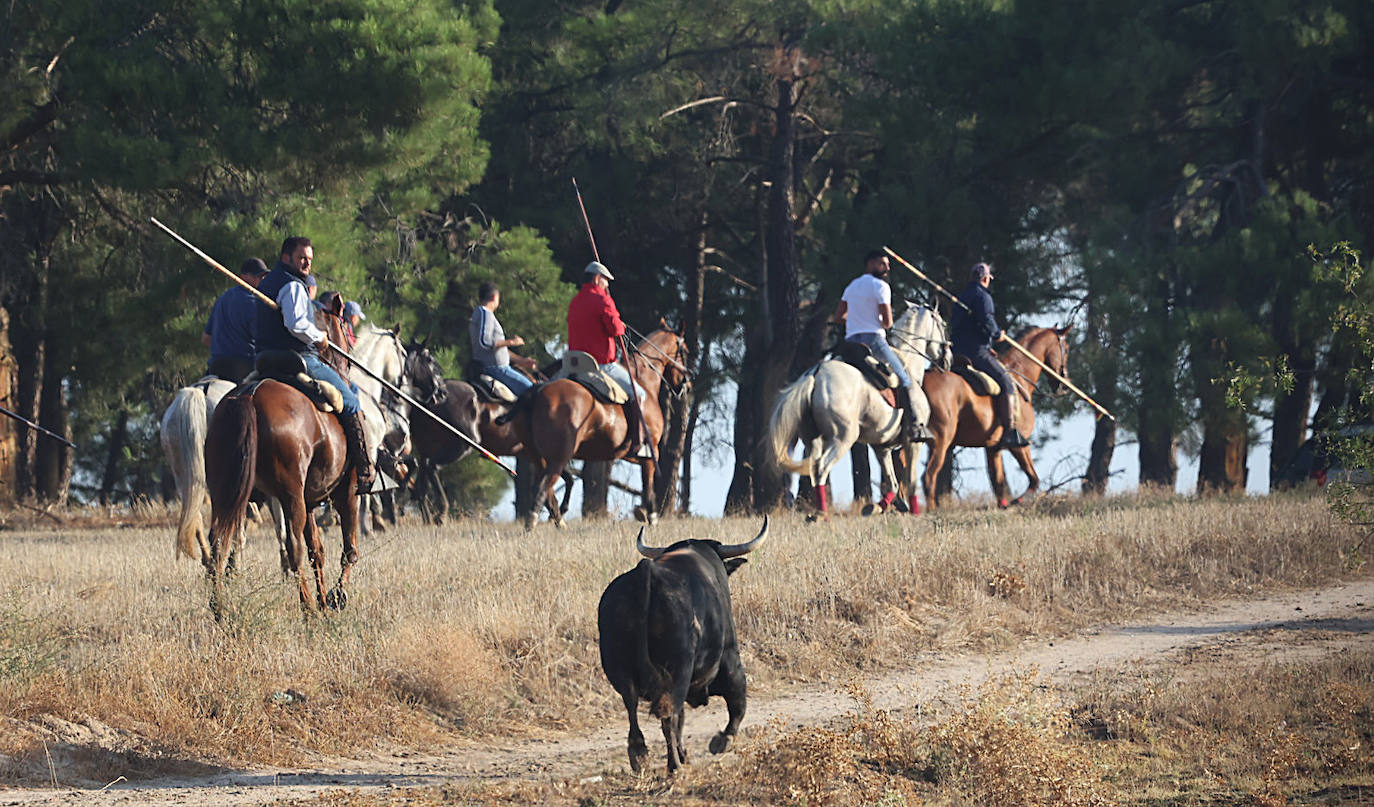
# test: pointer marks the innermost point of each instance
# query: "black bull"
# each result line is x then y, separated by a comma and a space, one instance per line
668, 637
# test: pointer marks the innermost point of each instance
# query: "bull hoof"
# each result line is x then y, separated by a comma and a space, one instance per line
336, 599
641, 515
720, 743
637, 757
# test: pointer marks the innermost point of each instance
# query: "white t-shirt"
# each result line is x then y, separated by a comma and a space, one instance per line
863, 296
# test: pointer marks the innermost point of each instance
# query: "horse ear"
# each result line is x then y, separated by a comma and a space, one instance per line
396, 329
1064, 330
663, 323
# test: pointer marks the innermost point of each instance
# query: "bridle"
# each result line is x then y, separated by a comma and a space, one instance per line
907, 342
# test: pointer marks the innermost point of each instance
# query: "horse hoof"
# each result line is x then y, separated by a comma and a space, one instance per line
641, 516
812, 518
871, 509
336, 599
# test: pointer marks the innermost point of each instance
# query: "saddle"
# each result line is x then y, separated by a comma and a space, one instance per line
489, 389
288, 367
874, 369
981, 382
583, 369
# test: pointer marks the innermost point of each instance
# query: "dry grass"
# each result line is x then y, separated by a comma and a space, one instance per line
474, 628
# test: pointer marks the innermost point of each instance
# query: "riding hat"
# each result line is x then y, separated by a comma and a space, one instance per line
597, 268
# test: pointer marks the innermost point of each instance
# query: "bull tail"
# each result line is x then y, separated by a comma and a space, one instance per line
785, 426
183, 431
231, 452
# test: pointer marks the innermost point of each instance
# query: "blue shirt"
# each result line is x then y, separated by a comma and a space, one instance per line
971, 332
232, 325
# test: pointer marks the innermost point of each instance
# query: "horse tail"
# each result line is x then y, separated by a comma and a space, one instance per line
785, 426
231, 461
183, 431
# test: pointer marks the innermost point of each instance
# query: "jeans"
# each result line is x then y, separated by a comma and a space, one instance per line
883, 350
618, 372
516, 380
984, 359
320, 371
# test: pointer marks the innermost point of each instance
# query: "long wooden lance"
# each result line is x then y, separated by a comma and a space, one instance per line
351, 360
1056, 376
59, 438
624, 342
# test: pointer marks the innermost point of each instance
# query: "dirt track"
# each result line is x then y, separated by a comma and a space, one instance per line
1313, 622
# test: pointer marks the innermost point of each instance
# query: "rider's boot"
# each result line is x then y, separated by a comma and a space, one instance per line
357, 450
915, 432
634, 430
1011, 437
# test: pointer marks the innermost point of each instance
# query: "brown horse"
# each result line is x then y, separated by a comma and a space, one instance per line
960, 417
274, 440
564, 421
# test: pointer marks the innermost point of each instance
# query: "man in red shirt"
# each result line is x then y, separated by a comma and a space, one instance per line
595, 327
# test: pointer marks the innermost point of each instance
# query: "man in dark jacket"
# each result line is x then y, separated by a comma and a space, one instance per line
229, 333
291, 326
973, 333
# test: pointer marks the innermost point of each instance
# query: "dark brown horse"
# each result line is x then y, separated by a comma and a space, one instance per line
564, 421
960, 417
274, 440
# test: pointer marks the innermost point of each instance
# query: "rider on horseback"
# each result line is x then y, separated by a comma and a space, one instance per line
293, 328
491, 348
594, 327
866, 311
973, 335
229, 331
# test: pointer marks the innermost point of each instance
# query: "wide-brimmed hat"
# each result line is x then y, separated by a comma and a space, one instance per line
597, 268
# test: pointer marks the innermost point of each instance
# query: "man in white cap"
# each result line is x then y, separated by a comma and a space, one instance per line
595, 327
972, 334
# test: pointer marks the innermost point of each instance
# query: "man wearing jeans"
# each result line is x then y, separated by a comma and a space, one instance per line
866, 311
490, 346
291, 326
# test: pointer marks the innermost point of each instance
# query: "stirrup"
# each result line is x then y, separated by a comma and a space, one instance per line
1012, 438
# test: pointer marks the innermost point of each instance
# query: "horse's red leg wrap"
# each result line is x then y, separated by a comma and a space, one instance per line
888, 499
1002, 503
820, 497
914, 505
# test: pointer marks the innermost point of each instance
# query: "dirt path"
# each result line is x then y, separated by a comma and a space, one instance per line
1277, 626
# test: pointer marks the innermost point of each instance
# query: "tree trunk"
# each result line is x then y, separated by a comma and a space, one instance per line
1290, 415
1100, 458
9, 428
53, 460
782, 290
1103, 337
119, 436
596, 483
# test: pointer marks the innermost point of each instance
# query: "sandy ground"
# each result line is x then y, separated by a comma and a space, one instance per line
1293, 625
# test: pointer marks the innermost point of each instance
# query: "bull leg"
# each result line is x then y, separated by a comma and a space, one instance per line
346, 503
1023, 458
997, 476
733, 691
677, 731
637, 748
672, 724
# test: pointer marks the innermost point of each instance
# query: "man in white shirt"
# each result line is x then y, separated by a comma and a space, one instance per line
292, 327
866, 311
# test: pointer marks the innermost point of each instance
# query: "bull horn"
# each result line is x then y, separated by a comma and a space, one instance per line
735, 550
651, 552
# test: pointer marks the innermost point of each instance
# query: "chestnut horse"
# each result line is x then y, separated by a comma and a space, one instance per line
564, 421
959, 416
273, 439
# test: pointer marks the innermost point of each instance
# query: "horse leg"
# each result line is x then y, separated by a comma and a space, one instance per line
567, 478
997, 476
839, 446
647, 511
888, 485
279, 526
1023, 458
346, 503
297, 518
315, 547
938, 451
913, 503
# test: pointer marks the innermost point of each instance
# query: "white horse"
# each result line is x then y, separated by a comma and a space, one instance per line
832, 407
385, 417
183, 428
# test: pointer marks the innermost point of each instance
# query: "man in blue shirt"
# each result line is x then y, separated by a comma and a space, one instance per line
229, 331
491, 348
292, 327
972, 334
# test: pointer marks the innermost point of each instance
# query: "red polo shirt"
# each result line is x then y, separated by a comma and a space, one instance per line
594, 323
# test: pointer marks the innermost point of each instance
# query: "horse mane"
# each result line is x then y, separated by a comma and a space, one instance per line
332, 325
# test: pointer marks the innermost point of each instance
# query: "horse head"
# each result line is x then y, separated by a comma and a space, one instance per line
425, 375
671, 349
922, 330
1058, 356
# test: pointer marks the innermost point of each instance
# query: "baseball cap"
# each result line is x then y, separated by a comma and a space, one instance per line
596, 268
253, 266
351, 308
980, 271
